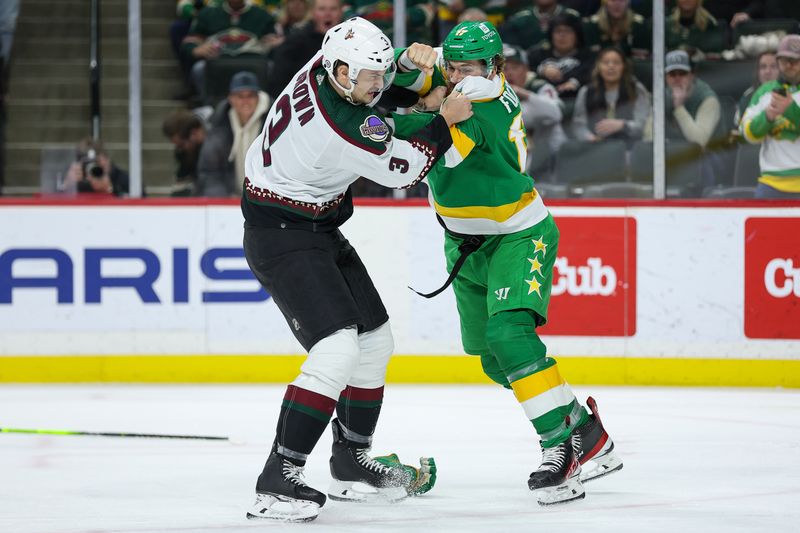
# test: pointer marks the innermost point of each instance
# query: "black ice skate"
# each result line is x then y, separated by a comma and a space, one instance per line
594, 447
357, 477
282, 494
557, 480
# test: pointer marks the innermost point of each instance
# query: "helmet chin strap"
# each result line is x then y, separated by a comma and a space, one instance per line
348, 93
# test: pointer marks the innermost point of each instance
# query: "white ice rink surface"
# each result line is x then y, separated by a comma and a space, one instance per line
695, 460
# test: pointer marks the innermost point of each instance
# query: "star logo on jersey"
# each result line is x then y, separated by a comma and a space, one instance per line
374, 129
534, 286
536, 266
540, 245
349, 35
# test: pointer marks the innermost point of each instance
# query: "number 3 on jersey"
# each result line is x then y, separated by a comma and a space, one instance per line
279, 123
516, 134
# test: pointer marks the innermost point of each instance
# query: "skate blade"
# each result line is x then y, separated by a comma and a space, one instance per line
600, 466
283, 509
355, 491
570, 491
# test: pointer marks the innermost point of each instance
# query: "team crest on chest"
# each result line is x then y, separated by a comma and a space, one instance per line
374, 129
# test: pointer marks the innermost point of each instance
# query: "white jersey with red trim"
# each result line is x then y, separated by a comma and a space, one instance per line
315, 144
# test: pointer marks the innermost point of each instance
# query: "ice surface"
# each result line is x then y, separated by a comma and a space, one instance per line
695, 460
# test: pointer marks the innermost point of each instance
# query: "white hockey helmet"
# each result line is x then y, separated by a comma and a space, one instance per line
361, 45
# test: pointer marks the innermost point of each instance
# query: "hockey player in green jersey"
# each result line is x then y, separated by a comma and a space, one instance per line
501, 244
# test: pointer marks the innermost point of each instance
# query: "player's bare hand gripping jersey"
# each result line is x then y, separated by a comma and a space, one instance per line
315, 144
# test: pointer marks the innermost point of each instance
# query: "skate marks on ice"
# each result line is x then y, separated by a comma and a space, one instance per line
695, 460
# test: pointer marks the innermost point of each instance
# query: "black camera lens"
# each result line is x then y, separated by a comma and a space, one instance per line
95, 171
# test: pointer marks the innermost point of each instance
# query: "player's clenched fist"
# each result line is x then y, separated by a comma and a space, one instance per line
422, 56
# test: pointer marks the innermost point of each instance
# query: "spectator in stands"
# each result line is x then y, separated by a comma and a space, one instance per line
452, 12
775, 9
301, 45
733, 11
235, 27
94, 172
766, 71
773, 119
615, 24
564, 62
692, 28
541, 111
187, 11
692, 107
419, 15
530, 28
613, 105
235, 125
473, 14
293, 14
186, 131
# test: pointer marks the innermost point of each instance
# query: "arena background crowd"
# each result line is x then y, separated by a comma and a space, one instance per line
211, 69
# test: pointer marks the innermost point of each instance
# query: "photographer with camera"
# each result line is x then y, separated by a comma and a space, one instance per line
773, 120
93, 172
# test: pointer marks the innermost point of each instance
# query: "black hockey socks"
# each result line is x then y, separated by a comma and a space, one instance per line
304, 416
358, 410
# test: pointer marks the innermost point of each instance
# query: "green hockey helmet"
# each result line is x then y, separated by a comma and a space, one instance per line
473, 41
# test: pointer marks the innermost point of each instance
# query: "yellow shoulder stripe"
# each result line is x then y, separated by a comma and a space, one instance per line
461, 141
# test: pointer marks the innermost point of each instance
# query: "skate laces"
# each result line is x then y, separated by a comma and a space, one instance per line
293, 473
363, 458
577, 442
553, 459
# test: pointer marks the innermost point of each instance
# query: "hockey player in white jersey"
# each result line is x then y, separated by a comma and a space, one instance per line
321, 135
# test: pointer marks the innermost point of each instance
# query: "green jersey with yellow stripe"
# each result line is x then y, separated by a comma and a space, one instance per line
780, 138
481, 187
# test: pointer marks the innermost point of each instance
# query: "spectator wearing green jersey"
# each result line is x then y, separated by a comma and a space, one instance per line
766, 71
773, 120
615, 24
692, 28
234, 27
